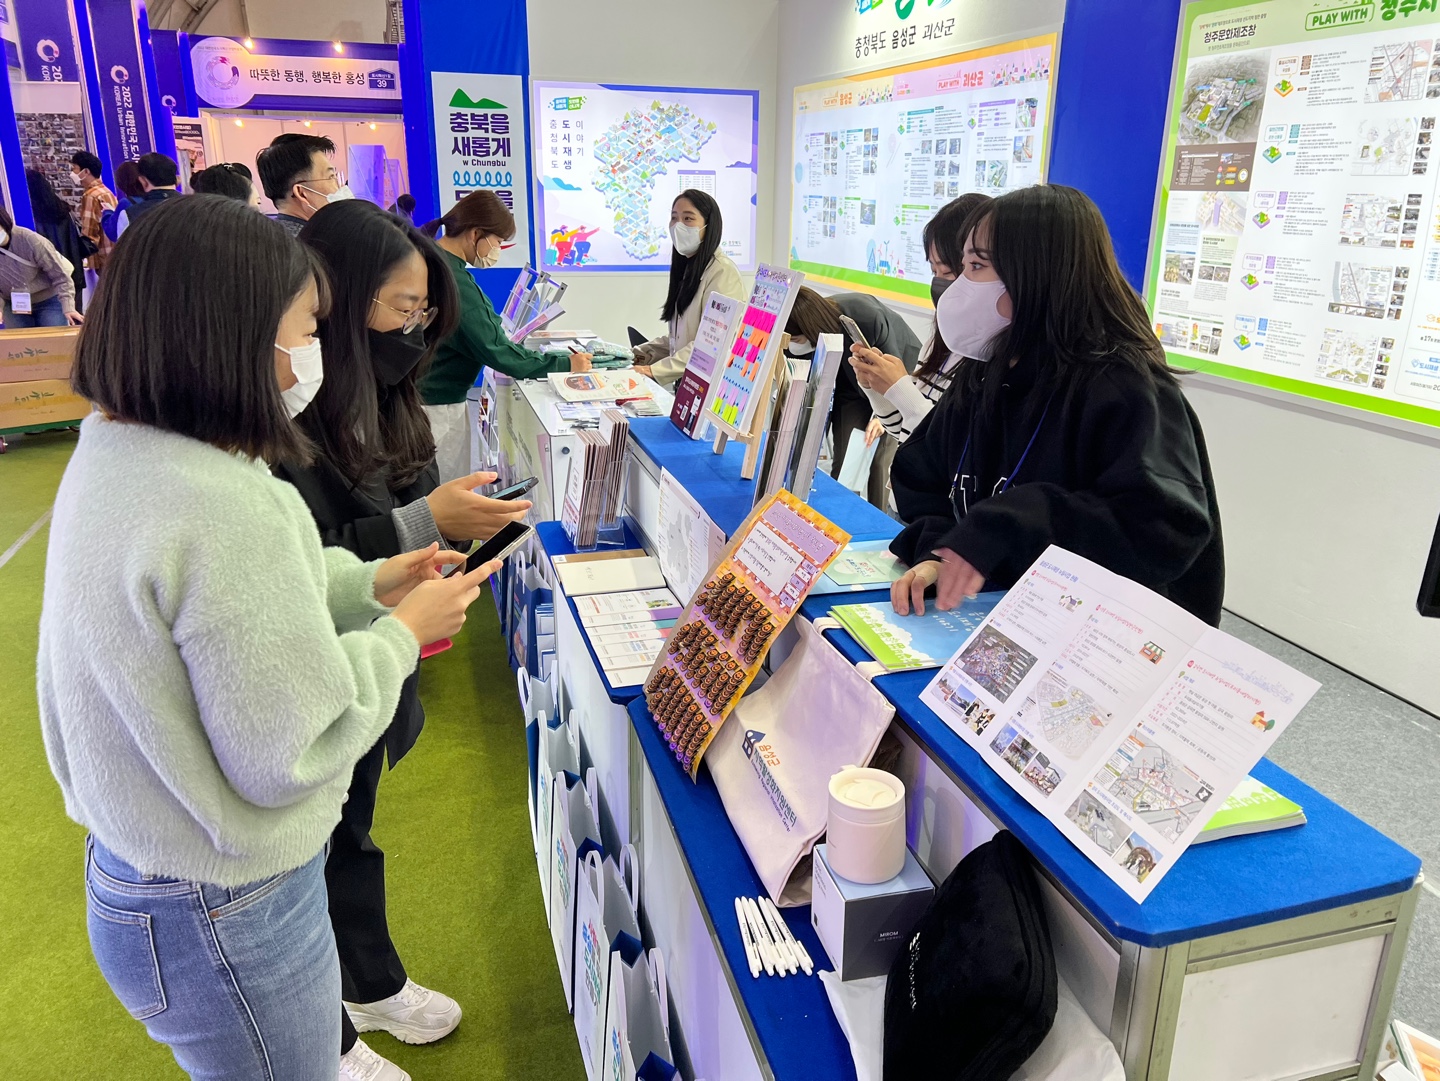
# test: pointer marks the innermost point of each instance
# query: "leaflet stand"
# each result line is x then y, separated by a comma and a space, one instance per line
754, 435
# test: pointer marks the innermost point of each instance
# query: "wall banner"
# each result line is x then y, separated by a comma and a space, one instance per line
121, 78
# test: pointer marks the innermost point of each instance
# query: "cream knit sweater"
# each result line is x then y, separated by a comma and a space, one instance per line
208, 673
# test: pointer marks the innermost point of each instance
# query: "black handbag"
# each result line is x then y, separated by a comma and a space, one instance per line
972, 993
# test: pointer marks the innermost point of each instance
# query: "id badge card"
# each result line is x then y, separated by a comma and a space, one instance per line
20, 303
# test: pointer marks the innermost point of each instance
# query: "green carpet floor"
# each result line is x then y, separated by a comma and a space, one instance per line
464, 902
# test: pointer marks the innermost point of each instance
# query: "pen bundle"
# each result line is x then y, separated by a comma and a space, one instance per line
769, 944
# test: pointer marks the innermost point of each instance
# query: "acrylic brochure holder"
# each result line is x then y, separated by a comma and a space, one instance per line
609, 512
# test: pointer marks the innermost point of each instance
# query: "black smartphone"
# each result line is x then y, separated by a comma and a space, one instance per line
512, 536
515, 491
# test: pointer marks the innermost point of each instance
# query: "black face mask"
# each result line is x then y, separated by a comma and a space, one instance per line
394, 353
938, 285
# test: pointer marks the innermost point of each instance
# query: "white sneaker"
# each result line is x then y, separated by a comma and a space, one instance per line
362, 1064
415, 1015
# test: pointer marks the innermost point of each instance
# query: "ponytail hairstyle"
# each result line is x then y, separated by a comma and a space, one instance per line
687, 270
481, 210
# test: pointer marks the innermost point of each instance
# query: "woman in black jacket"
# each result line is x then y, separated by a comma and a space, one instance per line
372, 489
1076, 433
54, 221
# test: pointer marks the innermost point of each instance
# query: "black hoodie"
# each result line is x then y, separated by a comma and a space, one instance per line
1117, 473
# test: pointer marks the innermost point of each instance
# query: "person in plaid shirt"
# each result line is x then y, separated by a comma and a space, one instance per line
97, 199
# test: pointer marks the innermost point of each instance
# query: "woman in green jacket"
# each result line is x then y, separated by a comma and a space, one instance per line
473, 232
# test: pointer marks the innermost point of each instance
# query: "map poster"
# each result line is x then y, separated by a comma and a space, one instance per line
876, 155
611, 159
754, 349
480, 145
1297, 236
1121, 717
712, 340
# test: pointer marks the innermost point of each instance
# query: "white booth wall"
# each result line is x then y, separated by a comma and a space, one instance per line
690, 43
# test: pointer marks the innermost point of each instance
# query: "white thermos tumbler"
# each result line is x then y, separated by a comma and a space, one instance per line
865, 836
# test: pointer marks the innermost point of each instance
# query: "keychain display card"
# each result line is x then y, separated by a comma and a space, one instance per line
1120, 716
719, 642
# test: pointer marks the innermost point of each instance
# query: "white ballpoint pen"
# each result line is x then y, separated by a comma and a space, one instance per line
777, 932
767, 942
761, 945
801, 953
752, 954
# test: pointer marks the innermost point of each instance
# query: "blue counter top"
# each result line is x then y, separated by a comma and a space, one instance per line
1332, 861
791, 1016
714, 481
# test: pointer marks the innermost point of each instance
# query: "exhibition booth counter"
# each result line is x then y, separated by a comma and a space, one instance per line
1290, 942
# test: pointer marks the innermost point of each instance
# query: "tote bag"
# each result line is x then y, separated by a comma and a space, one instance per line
574, 832
637, 1013
607, 894
558, 751
773, 763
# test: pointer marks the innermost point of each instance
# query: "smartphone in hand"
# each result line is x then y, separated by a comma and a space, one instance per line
852, 328
512, 536
515, 491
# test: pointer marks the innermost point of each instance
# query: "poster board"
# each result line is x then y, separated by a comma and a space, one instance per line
610, 159
737, 390
876, 155
1296, 241
712, 341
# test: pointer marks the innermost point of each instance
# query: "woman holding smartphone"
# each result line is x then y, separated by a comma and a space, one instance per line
372, 489
1063, 425
207, 686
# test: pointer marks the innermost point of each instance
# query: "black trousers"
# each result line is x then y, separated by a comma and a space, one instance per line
370, 967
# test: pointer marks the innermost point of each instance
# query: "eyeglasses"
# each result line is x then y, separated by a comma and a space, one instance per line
415, 317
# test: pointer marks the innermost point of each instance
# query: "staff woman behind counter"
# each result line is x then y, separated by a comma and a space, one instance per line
474, 230
1075, 434
697, 268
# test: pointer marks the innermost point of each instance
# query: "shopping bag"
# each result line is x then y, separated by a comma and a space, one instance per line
637, 1013
574, 832
607, 894
557, 751
773, 762
537, 701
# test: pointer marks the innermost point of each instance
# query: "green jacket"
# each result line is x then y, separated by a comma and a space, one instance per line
478, 341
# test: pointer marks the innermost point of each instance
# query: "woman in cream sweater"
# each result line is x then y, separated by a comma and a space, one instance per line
697, 268
208, 673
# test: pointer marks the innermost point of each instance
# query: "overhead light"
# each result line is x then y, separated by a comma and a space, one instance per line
249, 43
373, 125
239, 123
339, 46
307, 123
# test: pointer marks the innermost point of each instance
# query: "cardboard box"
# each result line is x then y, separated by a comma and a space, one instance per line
40, 401
27, 355
863, 927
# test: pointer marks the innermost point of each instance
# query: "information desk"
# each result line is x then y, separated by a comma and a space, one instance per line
1268, 957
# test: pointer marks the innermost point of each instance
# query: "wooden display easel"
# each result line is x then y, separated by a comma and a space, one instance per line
754, 435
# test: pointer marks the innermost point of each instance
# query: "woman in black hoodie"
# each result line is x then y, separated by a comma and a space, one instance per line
1076, 433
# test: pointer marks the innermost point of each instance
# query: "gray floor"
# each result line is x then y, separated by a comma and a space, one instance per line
1380, 758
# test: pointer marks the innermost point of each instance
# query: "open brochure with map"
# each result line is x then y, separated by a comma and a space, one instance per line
1119, 715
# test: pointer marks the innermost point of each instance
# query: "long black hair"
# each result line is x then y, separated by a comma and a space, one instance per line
45, 201
686, 270
1072, 305
364, 430
945, 235
181, 333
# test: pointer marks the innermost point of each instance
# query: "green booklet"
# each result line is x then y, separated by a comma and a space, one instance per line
1252, 808
902, 643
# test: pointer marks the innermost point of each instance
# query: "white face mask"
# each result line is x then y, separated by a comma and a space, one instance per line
800, 347
967, 316
488, 259
686, 238
75, 179
308, 367
338, 196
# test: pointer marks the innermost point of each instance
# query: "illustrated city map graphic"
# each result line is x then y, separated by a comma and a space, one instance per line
1155, 786
1223, 99
1398, 72
1070, 718
632, 154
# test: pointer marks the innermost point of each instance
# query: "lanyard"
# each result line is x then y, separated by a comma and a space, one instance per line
964, 483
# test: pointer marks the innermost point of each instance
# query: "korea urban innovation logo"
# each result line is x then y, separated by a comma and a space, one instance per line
903, 8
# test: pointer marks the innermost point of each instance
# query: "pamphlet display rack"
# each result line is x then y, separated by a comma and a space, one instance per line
1289, 943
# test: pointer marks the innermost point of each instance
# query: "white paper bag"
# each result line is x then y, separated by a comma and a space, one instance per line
637, 1012
607, 894
773, 760
557, 750
855, 472
536, 703
574, 832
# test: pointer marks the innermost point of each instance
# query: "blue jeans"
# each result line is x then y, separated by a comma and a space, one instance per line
243, 983
43, 313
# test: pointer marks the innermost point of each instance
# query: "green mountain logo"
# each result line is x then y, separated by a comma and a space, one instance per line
461, 100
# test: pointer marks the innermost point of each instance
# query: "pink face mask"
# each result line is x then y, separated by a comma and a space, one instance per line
968, 316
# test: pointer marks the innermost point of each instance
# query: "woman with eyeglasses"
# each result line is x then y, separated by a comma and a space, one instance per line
372, 488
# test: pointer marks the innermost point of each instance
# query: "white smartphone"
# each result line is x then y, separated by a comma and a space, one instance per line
852, 328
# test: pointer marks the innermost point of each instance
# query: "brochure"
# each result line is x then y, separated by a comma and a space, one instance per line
902, 643
689, 542
598, 386
1252, 808
712, 340
607, 572
863, 565
1117, 714
1420, 1053
622, 607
